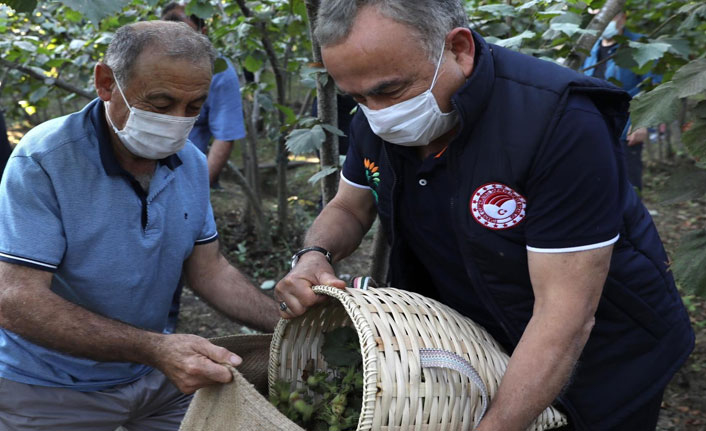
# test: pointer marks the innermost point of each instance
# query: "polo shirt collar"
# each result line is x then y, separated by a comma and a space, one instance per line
110, 162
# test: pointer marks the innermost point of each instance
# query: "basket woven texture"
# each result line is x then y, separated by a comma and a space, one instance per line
399, 394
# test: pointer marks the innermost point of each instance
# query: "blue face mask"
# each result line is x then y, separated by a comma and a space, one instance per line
611, 31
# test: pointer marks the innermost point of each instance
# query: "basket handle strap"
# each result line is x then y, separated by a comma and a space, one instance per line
439, 358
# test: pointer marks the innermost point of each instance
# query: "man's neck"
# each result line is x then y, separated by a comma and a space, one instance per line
437, 144
608, 42
137, 166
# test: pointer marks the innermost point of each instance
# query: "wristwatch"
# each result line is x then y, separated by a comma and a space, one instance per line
298, 254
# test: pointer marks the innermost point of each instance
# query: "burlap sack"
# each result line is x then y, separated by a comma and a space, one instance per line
239, 405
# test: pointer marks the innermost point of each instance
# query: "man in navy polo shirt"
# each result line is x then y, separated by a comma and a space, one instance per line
100, 211
499, 181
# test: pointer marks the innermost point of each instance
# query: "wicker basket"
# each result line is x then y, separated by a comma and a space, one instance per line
403, 337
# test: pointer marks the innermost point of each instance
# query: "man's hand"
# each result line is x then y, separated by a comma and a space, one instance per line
295, 288
192, 362
637, 137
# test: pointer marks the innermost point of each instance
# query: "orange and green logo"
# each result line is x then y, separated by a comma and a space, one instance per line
372, 174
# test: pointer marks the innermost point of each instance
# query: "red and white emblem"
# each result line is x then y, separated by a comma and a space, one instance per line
497, 206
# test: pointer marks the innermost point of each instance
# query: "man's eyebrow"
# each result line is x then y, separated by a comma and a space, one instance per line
379, 88
168, 97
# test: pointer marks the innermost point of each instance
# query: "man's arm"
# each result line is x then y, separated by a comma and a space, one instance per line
218, 156
29, 308
339, 229
567, 288
210, 275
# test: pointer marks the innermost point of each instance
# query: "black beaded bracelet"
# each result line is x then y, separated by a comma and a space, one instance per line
298, 254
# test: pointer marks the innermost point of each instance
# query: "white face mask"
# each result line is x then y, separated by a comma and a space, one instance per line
414, 122
151, 135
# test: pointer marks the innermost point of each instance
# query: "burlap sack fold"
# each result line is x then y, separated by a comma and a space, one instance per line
239, 405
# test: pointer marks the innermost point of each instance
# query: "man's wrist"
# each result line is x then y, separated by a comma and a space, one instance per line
327, 254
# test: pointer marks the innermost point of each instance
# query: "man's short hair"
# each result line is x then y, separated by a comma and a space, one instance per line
170, 14
173, 39
430, 19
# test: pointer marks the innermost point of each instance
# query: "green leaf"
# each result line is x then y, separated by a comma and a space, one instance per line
39, 94
96, 10
679, 46
660, 105
643, 53
201, 8
252, 64
499, 10
25, 46
305, 141
691, 78
689, 265
333, 130
570, 29
694, 139
219, 65
516, 41
21, 5
290, 115
341, 347
324, 172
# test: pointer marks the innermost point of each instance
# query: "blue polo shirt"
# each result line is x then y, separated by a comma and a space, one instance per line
68, 207
221, 115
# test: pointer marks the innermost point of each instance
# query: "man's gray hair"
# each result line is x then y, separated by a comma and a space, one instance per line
430, 19
172, 39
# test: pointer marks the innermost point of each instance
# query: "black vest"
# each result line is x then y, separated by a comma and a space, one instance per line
508, 108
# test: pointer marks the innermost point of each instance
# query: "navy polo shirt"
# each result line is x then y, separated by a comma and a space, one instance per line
66, 206
556, 221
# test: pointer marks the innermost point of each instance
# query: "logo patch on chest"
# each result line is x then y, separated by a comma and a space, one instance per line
497, 206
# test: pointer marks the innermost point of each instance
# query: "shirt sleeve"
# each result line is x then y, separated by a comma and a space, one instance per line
31, 228
353, 171
225, 116
209, 233
574, 190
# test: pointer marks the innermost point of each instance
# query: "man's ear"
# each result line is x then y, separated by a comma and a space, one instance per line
104, 81
460, 40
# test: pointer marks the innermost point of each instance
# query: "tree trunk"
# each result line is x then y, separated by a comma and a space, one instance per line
282, 152
599, 23
327, 109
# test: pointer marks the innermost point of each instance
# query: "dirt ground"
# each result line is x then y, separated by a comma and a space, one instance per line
684, 406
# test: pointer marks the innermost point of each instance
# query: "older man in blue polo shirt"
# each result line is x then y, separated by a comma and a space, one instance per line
499, 181
100, 212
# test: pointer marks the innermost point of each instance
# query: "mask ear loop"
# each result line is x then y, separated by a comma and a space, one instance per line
121, 92
107, 115
438, 66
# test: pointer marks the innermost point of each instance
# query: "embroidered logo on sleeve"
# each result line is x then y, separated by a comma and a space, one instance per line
497, 206
372, 174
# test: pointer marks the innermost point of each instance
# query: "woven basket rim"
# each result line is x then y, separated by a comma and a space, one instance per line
368, 347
